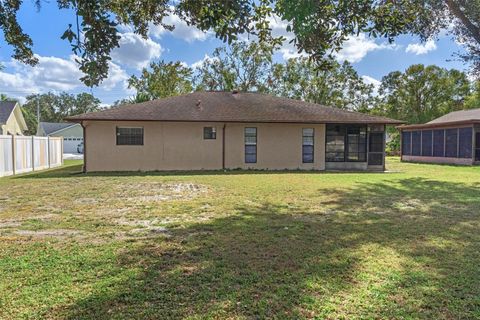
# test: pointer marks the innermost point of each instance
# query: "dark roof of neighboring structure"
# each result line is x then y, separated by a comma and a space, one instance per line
462, 117
51, 127
215, 106
6, 109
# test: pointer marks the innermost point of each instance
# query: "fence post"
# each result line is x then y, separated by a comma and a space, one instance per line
48, 150
13, 154
33, 153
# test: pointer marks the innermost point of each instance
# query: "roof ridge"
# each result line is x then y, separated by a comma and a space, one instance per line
226, 106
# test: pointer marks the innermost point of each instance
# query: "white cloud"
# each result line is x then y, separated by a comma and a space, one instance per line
135, 51
376, 84
199, 63
421, 48
354, 49
279, 29
357, 47
52, 74
182, 30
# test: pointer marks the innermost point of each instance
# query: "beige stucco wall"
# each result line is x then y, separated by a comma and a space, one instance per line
180, 146
279, 146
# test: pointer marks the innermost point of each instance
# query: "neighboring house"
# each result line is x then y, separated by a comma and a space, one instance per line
72, 134
229, 130
11, 119
453, 138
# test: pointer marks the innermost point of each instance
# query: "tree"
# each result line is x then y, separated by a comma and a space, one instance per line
242, 66
473, 101
54, 108
421, 94
162, 80
319, 27
339, 86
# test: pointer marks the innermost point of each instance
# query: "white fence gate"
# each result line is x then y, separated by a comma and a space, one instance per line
19, 154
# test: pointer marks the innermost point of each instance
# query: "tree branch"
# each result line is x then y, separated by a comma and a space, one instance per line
457, 12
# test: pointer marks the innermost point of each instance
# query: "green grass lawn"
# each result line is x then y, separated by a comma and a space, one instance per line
242, 245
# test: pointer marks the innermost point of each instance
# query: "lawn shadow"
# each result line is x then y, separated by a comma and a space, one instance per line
366, 256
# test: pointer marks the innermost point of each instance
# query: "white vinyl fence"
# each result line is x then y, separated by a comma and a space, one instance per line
19, 154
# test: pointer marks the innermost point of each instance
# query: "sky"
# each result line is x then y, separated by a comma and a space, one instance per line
57, 70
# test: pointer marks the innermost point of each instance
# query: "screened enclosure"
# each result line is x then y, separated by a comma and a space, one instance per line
456, 143
355, 143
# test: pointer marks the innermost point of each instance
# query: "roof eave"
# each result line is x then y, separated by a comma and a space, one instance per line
438, 125
386, 122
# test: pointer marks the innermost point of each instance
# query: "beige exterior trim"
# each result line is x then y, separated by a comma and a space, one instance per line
439, 160
180, 146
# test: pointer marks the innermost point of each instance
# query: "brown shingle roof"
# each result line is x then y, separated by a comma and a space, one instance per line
463, 115
453, 118
231, 107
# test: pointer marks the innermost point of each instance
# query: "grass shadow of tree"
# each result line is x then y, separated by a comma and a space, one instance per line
365, 257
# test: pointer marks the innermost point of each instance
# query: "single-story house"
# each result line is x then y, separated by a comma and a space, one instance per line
72, 134
12, 121
453, 138
230, 130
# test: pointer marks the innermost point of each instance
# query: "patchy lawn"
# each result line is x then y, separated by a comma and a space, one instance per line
242, 245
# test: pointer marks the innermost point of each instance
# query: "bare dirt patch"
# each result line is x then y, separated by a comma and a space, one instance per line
10, 223
61, 233
86, 201
408, 205
156, 192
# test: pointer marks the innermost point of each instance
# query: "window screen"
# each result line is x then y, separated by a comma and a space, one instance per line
439, 143
307, 145
375, 148
250, 145
357, 144
335, 148
416, 143
465, 143
209, 133
427, 143
407, 143
129, 136
451, 140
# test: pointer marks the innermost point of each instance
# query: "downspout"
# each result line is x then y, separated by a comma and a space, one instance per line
223, 146
84, 147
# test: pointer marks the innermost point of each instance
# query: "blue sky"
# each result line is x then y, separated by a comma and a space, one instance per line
58, 72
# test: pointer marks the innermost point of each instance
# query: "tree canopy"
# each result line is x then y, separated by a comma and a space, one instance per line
319, 27
423, 93
242, 66
56, 107
162, 80
248, 66
340, 86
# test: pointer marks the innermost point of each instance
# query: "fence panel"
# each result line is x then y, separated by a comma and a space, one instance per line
56, 151
23, 154
40, 153
6, 156
19, 154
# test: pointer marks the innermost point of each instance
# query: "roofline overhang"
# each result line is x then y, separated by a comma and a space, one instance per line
73, 124
438, 125
385, 122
